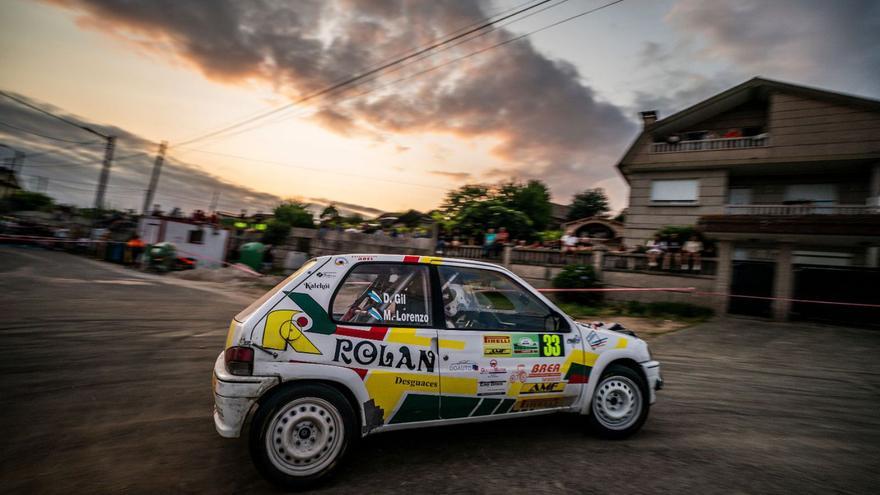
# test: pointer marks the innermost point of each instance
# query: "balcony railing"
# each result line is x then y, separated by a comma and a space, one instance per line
802, 209
638, 262
710, 144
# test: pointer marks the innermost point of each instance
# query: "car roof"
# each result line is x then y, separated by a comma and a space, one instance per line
407, 258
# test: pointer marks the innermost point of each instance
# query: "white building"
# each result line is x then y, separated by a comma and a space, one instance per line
199, 240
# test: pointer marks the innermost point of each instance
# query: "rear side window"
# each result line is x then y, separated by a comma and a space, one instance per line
384, 294
244, 314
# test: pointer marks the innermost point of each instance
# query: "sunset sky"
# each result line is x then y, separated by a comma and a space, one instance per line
560, 106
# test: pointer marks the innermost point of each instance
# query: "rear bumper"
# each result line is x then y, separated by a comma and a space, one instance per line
234, 396
655, 380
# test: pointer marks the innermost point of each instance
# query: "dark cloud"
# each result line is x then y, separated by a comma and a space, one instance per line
546, 122
451, 175
73, 169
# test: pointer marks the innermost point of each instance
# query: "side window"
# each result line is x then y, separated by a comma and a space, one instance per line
475, 299
384, 294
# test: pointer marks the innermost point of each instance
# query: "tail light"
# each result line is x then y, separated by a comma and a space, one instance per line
239, 360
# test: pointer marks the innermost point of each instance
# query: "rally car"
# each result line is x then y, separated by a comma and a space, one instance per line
359, 344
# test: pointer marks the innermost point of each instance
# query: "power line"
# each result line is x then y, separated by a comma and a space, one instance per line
458, 59
54, 116
315, 169
358, 77
35, 133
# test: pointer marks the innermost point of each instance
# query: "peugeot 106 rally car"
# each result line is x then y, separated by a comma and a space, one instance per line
359, 344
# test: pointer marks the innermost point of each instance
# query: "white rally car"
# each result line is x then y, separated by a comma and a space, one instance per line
359, 344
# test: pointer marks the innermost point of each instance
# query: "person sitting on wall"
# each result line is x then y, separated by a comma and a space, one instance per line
569, 243
500, 241
691, 253
673, 251
655, 246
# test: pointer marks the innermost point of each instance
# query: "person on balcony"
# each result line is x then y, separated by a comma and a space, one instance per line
691, 253
673, 252
656, 247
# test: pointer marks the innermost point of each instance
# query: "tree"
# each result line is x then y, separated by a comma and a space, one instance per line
22, 200
590, 203
532, 198
411, 218
330, 214
294, 214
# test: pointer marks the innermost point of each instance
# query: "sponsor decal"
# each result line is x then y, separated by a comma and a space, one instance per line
534, 404
464, 366
326, 274
520, 375
285, 327
491, 387
542, 388
317, 286
546, 372
340, 262
497, 346
366, 353
526, 345
409, 382
493, 368
375, 314
574, 340
364, 258
595, 340
399, 317
375, 297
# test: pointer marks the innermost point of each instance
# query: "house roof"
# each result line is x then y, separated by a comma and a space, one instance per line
755, 88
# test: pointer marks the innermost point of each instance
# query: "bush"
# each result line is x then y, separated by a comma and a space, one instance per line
577, 277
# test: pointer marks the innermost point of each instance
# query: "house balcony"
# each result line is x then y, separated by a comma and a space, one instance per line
717, 144
800, 210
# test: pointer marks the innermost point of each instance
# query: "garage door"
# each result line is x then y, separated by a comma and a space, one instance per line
841, 284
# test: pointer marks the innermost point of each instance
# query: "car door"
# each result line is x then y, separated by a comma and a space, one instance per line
384, 330
502, 349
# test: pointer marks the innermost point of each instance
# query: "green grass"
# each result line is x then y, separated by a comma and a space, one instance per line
690, 313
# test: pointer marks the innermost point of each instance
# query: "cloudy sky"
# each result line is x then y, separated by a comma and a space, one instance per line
560, 105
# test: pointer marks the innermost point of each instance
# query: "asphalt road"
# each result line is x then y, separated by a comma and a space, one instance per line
106, 389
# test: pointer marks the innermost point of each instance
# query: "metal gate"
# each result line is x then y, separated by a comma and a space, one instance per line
752, 278
839, 284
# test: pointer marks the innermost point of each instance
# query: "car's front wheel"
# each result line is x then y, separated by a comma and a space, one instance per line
620, 403
300, 434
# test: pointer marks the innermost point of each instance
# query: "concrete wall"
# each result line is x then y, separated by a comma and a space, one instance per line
647, 280
645, 217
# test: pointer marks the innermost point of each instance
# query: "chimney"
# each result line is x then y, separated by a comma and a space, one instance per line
649, 117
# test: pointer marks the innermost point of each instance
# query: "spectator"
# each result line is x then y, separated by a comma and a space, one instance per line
135, 247
488, 241
691, 253
569, 242
655, 246
673, 251
440, 247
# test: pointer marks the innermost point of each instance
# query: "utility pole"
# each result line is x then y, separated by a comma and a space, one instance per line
154, 179
105, 171
18, 161
214, 199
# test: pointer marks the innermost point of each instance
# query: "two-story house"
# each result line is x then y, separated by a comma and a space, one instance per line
785, 179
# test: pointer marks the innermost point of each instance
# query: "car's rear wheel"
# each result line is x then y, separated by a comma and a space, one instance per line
620, 403
300, 434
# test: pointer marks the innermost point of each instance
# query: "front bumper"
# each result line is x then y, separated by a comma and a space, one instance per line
234, 396
655, 380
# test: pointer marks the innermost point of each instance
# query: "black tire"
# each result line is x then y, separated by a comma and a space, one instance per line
320, 402
618, 380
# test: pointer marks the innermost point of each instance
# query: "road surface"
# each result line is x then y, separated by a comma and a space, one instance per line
106, 378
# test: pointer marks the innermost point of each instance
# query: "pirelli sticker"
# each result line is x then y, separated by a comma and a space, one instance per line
497, 346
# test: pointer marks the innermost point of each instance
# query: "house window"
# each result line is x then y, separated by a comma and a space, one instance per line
196, 236
675, 191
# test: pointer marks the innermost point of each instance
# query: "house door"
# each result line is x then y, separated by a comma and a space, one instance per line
751, 278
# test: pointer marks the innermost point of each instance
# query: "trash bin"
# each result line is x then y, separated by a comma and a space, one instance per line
161, 256
251, 254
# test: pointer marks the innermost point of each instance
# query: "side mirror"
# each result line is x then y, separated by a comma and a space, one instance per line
553, 323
